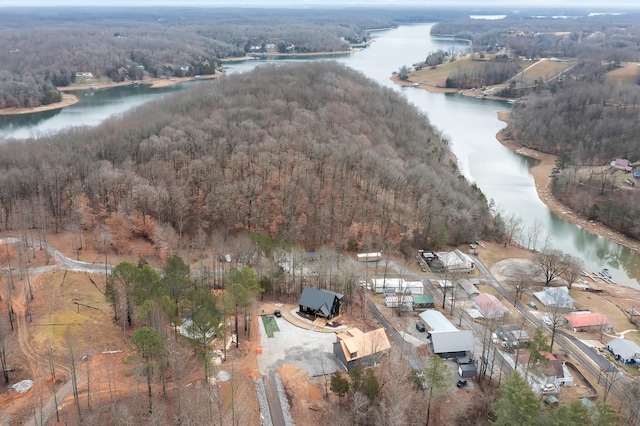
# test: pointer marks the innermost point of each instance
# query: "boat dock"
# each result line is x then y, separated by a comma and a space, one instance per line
594, 276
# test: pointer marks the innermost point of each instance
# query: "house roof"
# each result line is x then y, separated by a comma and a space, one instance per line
468, 286
396, 283
436, 322
555, 296
320, 300
588, 319
455, 260
490, 305
452, 341
624, 348
467, 367
396, 299
355, 342
515, 333
422, 299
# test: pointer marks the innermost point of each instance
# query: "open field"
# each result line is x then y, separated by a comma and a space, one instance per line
627, 74
438, 76
544, 69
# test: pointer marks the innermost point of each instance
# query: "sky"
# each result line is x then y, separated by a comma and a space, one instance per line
582, 4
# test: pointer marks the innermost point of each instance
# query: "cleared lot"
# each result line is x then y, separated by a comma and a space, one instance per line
307, 349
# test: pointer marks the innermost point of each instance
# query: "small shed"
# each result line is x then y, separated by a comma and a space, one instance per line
468, 286
423, 301
404, 302
467, 370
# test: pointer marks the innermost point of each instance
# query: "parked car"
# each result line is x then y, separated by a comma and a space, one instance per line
461, 383
494, 338
277, 313
420, 327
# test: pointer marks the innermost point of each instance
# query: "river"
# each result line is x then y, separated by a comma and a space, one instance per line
470, 124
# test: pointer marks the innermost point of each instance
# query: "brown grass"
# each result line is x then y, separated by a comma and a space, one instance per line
627, 74
544, 69
438, 76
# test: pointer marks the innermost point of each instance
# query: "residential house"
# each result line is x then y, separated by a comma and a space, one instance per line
557, 371
513, 335
624, 350
555, 297
622, 164
355, 348
588, 321
456, 261
490, 306
321, 303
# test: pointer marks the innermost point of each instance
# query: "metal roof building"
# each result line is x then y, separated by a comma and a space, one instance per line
322, 303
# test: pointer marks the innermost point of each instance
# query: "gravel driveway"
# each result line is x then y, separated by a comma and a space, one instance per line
292, 345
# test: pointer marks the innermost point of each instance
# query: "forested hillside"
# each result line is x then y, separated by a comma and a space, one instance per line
314, 153
56, 46
590, 122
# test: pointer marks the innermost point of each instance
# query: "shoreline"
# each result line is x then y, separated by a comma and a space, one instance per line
293, 55
71, 99
67, 100
541, 173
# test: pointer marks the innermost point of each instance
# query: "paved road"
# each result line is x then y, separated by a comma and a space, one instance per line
586, 357
415, 360
273, 399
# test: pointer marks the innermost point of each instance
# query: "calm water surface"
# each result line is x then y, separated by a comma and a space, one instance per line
470, 124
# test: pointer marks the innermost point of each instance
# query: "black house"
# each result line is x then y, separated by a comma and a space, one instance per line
321, 303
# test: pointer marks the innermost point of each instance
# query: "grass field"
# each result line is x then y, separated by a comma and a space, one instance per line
628, 74
270, 324
438, 76
70, 302
544, 69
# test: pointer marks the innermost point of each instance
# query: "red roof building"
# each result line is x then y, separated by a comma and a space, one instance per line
588, 321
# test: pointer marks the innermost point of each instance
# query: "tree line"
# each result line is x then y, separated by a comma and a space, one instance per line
56, 47
588, 123
600, 37
316, 154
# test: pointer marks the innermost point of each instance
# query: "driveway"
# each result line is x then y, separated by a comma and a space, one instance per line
307, 349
